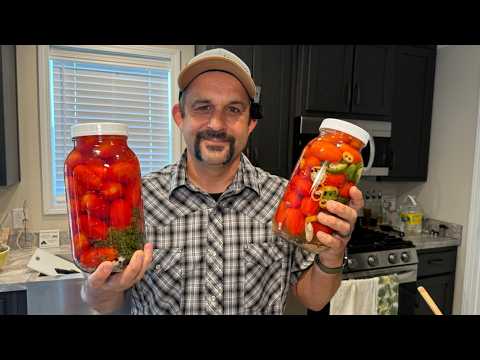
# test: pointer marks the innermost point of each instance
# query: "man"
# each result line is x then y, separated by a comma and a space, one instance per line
208, 218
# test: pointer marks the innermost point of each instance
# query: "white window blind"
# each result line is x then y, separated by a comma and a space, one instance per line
93, 91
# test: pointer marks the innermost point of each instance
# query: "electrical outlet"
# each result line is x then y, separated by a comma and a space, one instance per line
17, 218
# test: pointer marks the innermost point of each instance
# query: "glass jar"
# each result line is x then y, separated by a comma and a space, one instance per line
104, 196
328, 167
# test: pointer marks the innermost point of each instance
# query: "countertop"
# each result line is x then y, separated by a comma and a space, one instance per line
15, 273
424, 242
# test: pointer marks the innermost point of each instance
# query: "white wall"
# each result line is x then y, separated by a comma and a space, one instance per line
446, 194
29, 188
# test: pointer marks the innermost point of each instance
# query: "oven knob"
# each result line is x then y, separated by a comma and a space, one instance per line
372, 260
405, 257
351, 263
392, 258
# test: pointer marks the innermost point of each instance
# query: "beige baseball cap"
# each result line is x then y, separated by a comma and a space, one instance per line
217, 59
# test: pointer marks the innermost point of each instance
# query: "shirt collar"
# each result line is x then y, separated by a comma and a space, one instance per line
246, 176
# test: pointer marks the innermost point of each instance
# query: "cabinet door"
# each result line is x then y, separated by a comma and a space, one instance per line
412, 112
372, 79
13, 303
269, 141
9, 150
440, 289
326, 78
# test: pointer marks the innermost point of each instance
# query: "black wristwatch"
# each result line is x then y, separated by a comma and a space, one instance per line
329, 270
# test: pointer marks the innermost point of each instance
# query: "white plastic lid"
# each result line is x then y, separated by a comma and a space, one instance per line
103, 128
346, 127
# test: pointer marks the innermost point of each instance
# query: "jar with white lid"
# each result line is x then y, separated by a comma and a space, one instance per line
328, 167
104, 196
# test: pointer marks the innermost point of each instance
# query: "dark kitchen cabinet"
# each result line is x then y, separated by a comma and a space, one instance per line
272, 68
13, 302
345, 80
9, 153
412, 113
436, 273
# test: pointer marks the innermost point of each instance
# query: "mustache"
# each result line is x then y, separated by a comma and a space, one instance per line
210, 134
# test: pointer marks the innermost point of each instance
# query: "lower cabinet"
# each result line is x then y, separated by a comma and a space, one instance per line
436, 273
13, 302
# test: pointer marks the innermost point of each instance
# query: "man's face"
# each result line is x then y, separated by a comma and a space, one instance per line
216, 122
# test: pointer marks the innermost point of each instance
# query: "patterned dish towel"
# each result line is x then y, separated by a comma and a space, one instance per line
372, 296
388, 295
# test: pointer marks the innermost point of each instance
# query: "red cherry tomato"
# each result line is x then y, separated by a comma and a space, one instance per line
294, 221
94, 205
337, 180
133, 194
281, 212
107, 149
323, 150
123, 171
75, 188
80, 244
309, 207
320, 227
74, 158
85, 144
94, 228
84, 175
345, 190
93, 257
301, 185
111, 190
292, 200
309, 162
120, 214
357, 144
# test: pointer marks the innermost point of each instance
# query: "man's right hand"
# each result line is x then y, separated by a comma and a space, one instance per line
104, 291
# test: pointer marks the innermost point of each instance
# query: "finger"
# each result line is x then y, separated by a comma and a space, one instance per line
98, 278
343, 211
131, 272
331, 241
147, 260
356, 198
340, 226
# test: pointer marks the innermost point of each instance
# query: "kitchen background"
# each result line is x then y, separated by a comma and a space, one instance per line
445, 195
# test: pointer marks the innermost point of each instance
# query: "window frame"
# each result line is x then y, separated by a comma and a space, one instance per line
115, 54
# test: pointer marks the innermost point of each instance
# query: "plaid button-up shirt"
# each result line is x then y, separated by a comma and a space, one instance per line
215, 257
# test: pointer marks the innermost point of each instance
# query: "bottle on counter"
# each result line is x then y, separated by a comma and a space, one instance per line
328, 167
411, 216
104, 196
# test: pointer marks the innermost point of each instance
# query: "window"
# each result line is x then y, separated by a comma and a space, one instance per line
127, 84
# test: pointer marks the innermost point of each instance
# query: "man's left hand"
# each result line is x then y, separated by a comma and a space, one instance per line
342, 219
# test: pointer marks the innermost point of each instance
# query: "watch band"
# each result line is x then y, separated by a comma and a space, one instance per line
329, 270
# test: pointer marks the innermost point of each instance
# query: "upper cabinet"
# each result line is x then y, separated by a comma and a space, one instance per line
412, 112
345, 79
9, 153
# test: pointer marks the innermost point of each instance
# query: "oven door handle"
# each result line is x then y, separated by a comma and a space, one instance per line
405, 275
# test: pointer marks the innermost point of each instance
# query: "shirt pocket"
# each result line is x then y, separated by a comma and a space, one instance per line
265, 276
163, 283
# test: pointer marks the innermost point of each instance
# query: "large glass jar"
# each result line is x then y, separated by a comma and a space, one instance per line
328, 167
104, 196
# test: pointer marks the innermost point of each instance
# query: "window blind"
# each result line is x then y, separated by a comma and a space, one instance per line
88, 91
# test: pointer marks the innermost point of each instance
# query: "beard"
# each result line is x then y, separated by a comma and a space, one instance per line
214, 135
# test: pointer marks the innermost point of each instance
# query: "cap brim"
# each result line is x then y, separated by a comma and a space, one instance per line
216, 63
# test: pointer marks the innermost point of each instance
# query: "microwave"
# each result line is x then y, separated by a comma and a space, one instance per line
306, 128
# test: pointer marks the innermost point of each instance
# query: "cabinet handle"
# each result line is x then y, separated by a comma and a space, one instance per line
348, 93
435, 261
357, 92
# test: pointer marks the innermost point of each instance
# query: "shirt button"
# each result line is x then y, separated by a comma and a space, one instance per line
212, 298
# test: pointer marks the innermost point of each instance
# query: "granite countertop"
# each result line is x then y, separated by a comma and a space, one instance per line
15, 272
423, 242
